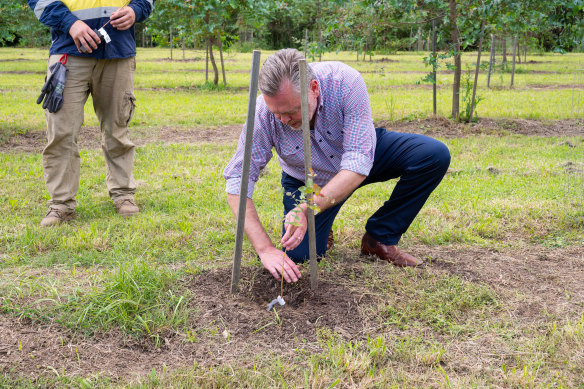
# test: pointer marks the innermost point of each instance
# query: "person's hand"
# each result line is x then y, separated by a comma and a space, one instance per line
84, 36
123, 18
272, 261
295, 225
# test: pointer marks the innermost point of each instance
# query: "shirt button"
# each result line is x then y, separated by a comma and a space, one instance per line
328, 132
320, 140
332, 156
297, 147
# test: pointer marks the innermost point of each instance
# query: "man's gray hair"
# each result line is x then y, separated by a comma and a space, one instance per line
281, 66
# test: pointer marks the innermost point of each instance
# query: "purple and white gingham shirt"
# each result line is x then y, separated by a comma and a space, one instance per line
343, 137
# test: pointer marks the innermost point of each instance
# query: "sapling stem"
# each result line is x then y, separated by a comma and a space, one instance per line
282, 275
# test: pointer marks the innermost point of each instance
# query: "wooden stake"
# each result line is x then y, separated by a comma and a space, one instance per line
251, 108
307, 172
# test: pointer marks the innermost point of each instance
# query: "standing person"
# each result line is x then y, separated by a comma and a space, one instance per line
347, 153
106, 70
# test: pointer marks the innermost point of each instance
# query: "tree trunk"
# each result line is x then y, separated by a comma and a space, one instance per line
504, 61
305, 43
319, 44
518, 52
476, 79
491, 60
206, 61
221, 57
252, 38
454, 36
170, 43
513, 68
411, 38
420, 41
182, 38
212, 58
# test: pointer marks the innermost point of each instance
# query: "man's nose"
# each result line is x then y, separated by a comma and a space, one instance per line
285, 118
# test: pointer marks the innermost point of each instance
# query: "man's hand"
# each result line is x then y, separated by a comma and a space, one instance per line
272, 261
295, 225
84, 36
123, 18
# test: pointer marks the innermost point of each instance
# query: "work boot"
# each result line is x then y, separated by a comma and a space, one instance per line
126, 207
389, 253
56, 216
330, 241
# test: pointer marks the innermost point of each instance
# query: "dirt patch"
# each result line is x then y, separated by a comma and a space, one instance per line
34, 141
442, 127
554, 86
191, 88
534, 284
19, 72
381, 60
14, 60
194, 59
90, 137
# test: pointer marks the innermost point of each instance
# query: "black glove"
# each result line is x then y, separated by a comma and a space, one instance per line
52, 91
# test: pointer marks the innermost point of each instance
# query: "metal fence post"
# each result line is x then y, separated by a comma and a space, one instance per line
251, 108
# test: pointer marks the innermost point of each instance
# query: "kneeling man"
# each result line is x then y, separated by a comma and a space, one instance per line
347, 153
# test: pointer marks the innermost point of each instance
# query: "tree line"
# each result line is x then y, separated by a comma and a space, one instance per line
364, 26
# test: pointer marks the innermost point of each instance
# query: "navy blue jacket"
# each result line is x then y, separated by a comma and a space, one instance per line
60, 15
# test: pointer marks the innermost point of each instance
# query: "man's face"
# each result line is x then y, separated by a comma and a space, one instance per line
286, 106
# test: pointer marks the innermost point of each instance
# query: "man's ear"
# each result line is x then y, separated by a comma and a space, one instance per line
314, 87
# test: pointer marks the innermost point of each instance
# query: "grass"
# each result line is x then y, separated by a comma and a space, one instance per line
101, 273
160, 103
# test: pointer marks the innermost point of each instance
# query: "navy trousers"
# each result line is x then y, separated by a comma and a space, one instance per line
420, 163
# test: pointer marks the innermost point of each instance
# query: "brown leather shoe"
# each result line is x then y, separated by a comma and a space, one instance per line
126, 207
330, 241
56, 216
369, 246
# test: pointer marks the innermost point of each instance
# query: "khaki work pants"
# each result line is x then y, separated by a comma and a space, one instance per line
111, 84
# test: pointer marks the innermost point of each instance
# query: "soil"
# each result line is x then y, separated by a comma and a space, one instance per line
89, 138
532, 283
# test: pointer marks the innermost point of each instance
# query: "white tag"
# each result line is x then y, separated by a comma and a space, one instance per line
105, 35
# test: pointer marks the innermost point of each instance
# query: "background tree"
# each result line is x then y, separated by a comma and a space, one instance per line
20, 27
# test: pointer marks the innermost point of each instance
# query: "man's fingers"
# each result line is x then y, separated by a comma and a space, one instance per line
92, 39
288, 231
294, 268
285, 274
289, 273
275, 273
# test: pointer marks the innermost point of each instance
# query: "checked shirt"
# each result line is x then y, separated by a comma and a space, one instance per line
343, 137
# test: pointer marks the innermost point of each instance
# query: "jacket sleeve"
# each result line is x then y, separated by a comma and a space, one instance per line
142, 9
53, 13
